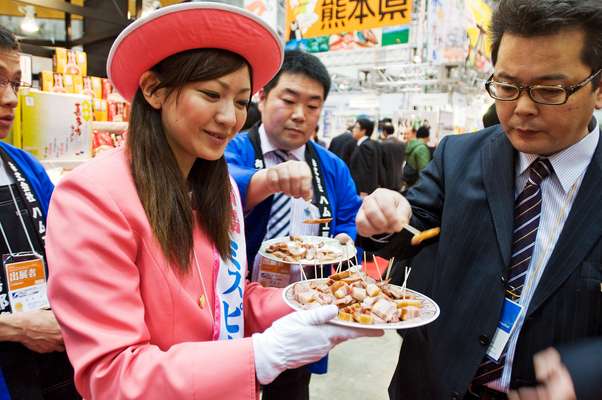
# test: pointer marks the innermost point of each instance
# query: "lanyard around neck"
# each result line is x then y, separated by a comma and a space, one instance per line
32, 206
12, 194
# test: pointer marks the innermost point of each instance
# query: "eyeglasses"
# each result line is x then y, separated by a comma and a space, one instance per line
553, 95
15, 85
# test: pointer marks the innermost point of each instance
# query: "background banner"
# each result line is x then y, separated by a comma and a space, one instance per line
312, 18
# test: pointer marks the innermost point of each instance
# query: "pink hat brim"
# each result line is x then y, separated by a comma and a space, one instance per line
181, 27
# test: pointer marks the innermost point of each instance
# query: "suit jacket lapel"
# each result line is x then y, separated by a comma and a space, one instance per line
581, 231
498, 177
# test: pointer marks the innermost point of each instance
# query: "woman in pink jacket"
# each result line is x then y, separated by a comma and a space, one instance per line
145, 244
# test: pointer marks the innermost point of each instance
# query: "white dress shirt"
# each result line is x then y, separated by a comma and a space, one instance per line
5, 177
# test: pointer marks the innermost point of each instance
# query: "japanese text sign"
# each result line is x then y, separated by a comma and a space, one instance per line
312, 18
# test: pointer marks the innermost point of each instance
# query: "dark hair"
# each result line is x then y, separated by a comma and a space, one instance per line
163, 191
297, 62
423, 132
531, 18
8, 40
367, 125
383, 122
490, 117
253, 116
388, 129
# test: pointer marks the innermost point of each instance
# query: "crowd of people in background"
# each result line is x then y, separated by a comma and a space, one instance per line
384, 158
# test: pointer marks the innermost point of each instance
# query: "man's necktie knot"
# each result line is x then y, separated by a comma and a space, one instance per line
281, 155
539, 170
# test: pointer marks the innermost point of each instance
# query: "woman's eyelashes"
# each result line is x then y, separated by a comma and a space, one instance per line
210, 94
213, 96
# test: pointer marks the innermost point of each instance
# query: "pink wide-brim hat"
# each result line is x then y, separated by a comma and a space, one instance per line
198, 25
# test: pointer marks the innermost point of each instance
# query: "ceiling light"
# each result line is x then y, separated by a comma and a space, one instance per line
29, 23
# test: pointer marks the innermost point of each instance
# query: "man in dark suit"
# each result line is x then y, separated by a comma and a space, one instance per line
365, 160
552, 368
519, 209
393, 154
343, 146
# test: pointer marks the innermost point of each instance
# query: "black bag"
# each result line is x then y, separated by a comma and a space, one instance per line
410, 173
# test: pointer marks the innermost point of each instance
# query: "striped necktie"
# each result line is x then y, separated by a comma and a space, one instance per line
280, 213
527, 212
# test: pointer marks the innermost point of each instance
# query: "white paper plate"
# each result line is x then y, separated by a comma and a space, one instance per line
347, 250
428, 313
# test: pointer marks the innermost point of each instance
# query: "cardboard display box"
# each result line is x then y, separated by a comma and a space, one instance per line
55, 126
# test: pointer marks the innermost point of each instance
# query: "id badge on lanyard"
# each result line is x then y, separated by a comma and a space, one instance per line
24, 278
272, 273
511, 312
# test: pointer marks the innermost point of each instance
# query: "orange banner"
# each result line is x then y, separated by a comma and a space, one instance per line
312, 18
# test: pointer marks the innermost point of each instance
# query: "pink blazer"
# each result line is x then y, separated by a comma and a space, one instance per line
132, 327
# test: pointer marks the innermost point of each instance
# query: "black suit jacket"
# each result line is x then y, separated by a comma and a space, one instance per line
468, 190
365, 166
584, 362
343, 146
393, 155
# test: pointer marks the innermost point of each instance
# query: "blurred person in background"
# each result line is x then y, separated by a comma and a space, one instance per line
408, 133
393, 156
271, 166
33, 362
517, 267
381, 123
343, 145
146, 244
317, 139
417, 156
366, 158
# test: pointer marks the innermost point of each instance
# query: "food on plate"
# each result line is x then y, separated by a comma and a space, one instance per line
424, 235
360, 298
297, 249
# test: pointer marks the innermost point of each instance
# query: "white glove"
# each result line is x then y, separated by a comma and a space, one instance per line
298, 339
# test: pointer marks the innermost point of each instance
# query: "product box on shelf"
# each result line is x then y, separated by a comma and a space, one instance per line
107, 135
46, 81
118, 111
55, 126
82, 62
96, 86
107, 88
78, 85
70, 62
100, 108
58, 85
68, 83
92, 86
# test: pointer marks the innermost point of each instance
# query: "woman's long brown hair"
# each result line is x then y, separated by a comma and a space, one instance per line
163, 191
